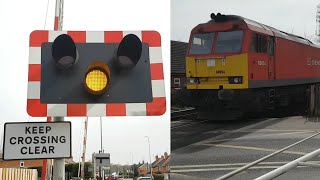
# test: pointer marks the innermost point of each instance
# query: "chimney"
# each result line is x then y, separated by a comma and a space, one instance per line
162, 157
157, 157
166, 155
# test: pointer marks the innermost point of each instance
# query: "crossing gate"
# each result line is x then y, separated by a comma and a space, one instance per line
18, 174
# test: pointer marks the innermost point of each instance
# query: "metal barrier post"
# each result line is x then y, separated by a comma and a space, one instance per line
283, 169
263, 159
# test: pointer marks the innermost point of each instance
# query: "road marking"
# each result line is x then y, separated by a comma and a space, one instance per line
221, 169
223, 165
253, 137
237, 130
279, 134
284, 130
253, 148
232, 164
263, 131
225, 169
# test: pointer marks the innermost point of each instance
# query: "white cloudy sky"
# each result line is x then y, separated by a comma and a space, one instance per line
122, 136
297, 16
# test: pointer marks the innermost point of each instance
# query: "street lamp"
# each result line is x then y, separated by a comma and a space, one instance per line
150, 157
132, 164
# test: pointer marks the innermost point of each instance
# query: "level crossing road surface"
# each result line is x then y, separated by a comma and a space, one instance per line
208, 149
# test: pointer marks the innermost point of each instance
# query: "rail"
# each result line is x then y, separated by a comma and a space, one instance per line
183, 113
271, 155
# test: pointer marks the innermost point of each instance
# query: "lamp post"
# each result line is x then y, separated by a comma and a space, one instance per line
150, 157
132, 164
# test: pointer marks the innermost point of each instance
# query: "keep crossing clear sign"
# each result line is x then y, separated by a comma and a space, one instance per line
37, 140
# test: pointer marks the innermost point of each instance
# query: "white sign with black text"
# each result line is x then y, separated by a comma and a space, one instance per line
37, 140
102, 159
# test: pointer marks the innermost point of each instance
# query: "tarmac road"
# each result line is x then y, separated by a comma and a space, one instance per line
212, 150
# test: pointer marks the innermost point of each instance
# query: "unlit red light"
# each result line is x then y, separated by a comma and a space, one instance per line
64, 51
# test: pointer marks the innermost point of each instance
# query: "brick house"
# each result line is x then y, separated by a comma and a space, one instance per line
143, 169
164, 166
161, 165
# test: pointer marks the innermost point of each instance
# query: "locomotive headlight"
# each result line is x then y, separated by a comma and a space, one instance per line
192, 80
235, 80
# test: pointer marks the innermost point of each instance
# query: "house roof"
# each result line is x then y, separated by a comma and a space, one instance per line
145, 164
162, 161
166, 161
157, 162
178, 54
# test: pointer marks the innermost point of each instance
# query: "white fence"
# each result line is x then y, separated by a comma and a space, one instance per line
18, 174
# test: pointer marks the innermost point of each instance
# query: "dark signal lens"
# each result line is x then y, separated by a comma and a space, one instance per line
64, 51
128, 52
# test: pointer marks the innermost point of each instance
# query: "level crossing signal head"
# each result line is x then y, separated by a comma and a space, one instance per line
92, 73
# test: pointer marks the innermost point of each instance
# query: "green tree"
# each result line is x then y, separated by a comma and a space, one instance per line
72, 170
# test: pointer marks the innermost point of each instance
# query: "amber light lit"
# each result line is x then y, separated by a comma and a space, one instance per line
97, 78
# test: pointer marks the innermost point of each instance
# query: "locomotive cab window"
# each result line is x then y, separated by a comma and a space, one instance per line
229, 42
201, 43
259, 43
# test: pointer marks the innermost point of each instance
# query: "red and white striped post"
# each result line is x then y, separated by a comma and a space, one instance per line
58, 15
58, 164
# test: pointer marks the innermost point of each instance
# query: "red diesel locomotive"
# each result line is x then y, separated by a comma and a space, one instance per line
238, 66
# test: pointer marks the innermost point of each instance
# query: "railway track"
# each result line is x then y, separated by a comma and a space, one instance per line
186, 130
189, 112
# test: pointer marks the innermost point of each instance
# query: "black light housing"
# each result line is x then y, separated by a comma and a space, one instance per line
64, 51
212, 16
128, 52
235, 80
223, 18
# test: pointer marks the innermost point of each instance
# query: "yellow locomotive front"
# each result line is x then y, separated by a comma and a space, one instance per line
217, 56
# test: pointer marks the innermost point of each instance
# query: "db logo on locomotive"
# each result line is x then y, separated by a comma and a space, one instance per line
313, 62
